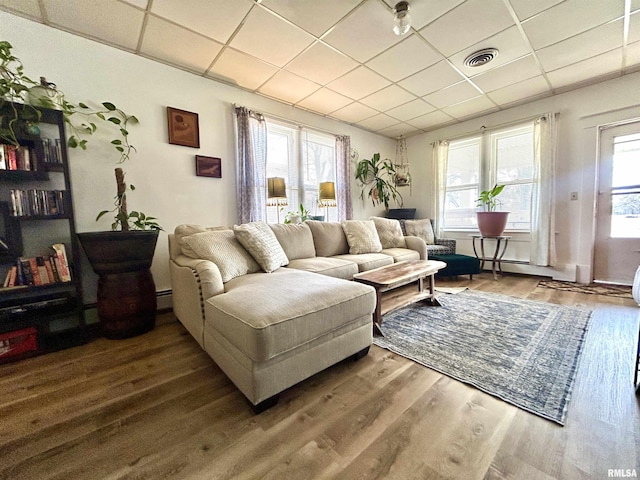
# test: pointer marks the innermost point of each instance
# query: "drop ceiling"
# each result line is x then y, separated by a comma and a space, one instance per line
340, 58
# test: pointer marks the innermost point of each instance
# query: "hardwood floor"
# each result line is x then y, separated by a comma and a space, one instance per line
156, 406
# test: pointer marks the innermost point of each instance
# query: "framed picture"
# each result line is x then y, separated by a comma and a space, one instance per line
208, 166
183, 128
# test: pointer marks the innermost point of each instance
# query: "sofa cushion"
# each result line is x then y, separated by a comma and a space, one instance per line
362, 236
295, 239
222, 248
328, 238
401, 254
332, 267
367, 261
319, 305
390, 232
262, 244
420, 228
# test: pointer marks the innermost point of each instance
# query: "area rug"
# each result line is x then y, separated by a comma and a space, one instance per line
523, 352
592, 288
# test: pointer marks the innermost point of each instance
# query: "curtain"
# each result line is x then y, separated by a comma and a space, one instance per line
343, 177
543, 240
440, 158
251, 159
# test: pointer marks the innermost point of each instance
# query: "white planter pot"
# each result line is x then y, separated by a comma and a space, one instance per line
636, 287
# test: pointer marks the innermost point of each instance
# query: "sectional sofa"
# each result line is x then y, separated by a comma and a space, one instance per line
274, 304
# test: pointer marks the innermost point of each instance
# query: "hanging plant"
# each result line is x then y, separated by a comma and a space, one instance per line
377, 179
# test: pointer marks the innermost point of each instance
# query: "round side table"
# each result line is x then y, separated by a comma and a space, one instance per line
496, 260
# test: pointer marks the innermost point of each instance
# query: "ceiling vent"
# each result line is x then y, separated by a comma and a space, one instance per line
481, 57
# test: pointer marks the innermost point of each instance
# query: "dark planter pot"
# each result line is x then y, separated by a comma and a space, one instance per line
126, 291
402, 213
492, 224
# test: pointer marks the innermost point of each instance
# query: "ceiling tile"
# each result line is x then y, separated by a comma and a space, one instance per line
634, 27
270, 38
396, 131
378, 122
516, 71
321, 64
112, 22
431, 120
593, 67
365, 32
519, 91
587, 44
509, 43
30, 8
633, 54
241, 69
288, 87
139, 3
410, 110
467, 24
453, 94
388, 98
477, 105
203, 16
359, 83
405, 58
424, 12
431, 79
169, 43
526, 8
313, 16
569, 18
354, 113
324, 101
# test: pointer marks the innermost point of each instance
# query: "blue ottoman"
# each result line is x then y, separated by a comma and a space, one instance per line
457, 265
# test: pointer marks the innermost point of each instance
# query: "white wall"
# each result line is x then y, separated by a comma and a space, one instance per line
581, 111
164, 174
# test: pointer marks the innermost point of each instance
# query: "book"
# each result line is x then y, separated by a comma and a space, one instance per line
42, 271
3, 161
62, 263
49, 269
35, 273
7, 277
19, 280
25, 268
12, 278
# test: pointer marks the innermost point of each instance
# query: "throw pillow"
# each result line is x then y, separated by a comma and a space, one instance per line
185, 229
420, 228
362, 236
262, 244
390, 232
222, 248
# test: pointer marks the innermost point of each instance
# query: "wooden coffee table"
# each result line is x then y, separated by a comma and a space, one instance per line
397, 275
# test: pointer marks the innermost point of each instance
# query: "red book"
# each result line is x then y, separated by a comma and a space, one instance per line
62, 262
49, 269
35, 273
10, 154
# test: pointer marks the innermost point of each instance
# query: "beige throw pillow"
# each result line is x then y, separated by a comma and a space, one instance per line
420, 228
362, 236
186, 229
295, 239
390, 232
262, 244
222, 248
328, 238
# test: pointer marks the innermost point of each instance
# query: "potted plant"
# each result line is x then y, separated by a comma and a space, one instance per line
491, 223
121, 257
377, 179
299, 216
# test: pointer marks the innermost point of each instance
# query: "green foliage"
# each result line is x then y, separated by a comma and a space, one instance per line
15, 86
302, 212
377, 175
487, 199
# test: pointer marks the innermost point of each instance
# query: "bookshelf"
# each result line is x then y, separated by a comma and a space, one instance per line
41, 308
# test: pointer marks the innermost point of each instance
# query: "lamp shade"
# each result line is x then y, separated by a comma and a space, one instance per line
276, 191
327, 194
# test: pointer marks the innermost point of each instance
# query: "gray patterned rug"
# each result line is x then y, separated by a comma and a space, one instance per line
523, 352
592, 288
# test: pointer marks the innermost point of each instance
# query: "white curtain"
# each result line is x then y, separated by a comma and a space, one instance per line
543, 241
440, 159
251, 165
343, 177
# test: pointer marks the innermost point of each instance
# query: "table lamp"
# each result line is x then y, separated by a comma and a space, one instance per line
327, 197
276, 194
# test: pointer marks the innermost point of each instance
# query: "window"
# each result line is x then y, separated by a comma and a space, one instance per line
625, 187
478, 163
304, 158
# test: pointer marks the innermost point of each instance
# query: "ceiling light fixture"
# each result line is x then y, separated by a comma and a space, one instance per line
401, 19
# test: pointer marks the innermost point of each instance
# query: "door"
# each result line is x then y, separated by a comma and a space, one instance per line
617, 247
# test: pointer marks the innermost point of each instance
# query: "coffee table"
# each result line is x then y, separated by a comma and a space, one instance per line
397, 275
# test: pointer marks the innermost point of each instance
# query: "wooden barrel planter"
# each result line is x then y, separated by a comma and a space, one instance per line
126, 291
